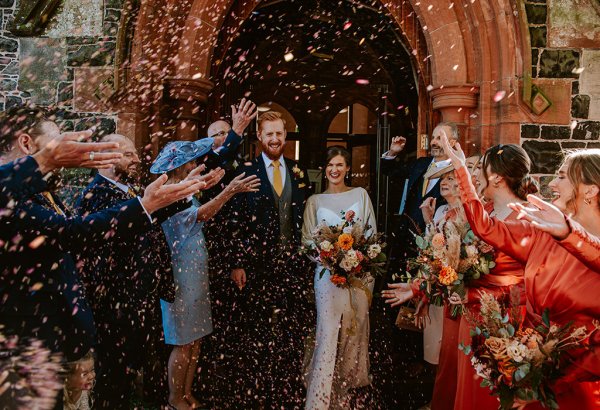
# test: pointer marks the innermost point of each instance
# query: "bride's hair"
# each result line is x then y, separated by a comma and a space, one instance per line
336, 150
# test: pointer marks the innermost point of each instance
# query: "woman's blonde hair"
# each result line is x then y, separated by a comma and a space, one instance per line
70, 368
583, 168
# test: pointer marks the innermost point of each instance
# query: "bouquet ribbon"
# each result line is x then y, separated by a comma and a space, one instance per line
358, 284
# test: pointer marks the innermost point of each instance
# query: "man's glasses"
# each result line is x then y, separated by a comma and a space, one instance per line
219, 134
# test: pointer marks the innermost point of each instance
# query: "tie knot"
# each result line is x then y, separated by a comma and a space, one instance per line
275, 163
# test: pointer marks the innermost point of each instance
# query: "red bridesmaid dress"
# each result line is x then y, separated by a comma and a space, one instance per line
555, 279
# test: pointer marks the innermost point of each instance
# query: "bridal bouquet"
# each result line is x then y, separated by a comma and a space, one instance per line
450, 255
346, 251
518, 363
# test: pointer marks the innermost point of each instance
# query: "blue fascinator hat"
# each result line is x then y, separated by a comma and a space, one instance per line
178, 153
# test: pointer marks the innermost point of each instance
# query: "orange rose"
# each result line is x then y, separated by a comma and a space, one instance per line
338, 280
345, 241
506, 369
447, 276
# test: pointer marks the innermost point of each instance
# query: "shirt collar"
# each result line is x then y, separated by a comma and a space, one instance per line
441, 164
269, 161
122, 187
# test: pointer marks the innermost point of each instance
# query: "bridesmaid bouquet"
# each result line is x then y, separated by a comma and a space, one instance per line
450, 256
346, 251
518, 363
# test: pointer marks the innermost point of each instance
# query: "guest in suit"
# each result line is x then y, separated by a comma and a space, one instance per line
271, 275
40, 292
124, 284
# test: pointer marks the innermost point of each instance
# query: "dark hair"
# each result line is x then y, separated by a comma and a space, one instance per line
19, 120
512, 163
336, 150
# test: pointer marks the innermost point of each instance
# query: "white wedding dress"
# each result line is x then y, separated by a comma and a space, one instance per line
340, 359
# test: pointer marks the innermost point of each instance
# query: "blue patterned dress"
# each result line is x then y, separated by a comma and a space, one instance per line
189, 317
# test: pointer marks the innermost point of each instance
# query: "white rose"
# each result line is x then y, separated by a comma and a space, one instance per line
516, 351
472, 252
348, 230
346, 265
373, 251
326, 246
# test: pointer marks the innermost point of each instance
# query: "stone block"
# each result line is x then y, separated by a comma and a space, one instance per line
580, 106
42, 67
555, 133
545, 156
11, 69
65, 93
12, 101
77, 18
545, 190
104, 126
594, 113
535, 56
113, 4
589, 80
573, 23
8, 85
92, 55
8, 45
111, 29
538, 36
112, 15
591, 145
572, 145
587, 130
90, 84
530, 131
559, 63
575, 87
7, 3
558, 91
536, 13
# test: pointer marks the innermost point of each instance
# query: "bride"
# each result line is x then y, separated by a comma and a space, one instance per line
340, 360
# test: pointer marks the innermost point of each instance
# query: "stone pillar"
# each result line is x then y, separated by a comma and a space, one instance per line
182, 111
455, 103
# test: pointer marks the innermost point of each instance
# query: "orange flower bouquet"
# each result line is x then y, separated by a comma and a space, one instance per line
347, 250
450, 256
519, 363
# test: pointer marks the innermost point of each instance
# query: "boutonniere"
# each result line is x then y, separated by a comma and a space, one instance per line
298, 173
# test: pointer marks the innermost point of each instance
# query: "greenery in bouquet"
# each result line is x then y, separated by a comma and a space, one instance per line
347, 251
450, 256
519, 364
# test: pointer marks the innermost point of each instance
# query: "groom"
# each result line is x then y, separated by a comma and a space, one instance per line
269, 272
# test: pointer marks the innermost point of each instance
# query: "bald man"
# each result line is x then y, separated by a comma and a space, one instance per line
124, 282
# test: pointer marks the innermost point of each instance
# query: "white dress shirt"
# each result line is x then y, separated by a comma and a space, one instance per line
269, 167
125, 188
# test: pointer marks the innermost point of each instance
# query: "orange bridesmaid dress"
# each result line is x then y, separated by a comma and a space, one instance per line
556, 280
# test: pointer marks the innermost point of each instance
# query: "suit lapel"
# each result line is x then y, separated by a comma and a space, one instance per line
265, 184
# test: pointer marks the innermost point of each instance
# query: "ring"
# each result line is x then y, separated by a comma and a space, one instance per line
92, 154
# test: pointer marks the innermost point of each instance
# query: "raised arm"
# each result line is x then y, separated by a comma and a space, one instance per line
238, 185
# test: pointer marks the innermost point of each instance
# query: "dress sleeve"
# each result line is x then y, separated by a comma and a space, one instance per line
583, 245
515, 238
309, 220
369, 213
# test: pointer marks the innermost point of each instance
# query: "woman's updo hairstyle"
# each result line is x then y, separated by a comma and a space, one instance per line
512, 163
336, 150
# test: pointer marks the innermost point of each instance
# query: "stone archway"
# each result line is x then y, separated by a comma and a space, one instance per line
475, 50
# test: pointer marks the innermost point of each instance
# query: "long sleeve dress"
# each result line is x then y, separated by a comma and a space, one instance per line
340, 360
555, 280
506, 274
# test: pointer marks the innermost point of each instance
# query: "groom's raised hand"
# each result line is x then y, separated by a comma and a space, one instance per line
239, 278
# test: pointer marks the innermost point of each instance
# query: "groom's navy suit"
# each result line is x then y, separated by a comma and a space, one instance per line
275, 305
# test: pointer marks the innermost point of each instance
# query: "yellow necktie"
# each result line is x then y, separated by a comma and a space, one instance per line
277, 184
426, 180
50, 199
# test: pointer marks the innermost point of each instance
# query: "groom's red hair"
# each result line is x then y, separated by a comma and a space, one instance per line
270, 116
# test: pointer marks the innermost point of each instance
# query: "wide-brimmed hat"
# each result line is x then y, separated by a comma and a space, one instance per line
435, 173
178, 153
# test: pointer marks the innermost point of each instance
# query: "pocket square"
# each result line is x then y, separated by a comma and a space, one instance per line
301, 185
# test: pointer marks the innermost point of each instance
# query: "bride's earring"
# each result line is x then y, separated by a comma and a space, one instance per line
587, 201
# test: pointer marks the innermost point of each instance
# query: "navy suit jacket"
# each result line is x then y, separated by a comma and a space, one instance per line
20, 179
121, 277
255, 218
413, 171
39, 287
